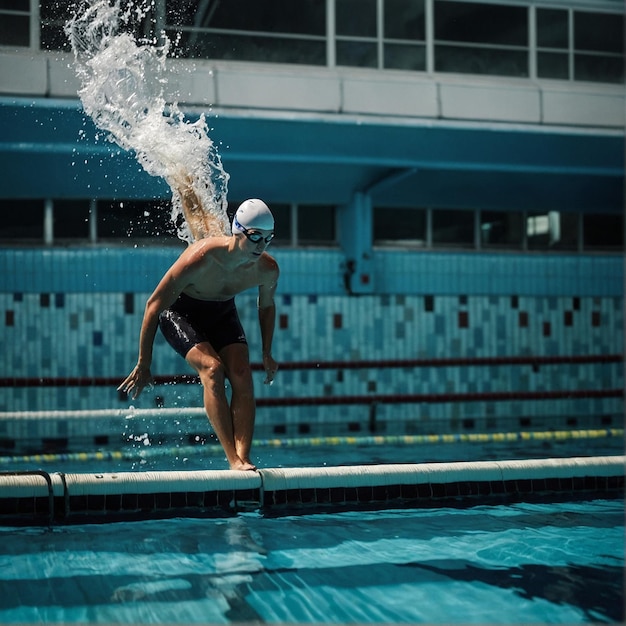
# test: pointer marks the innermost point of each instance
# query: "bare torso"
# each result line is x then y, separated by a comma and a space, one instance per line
214, 269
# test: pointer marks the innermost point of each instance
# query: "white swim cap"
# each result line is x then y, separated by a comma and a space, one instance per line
253, 213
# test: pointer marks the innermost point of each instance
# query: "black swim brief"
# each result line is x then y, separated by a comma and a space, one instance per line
189, 322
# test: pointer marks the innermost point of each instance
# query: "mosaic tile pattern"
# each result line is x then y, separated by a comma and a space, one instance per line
95, 335
68, 313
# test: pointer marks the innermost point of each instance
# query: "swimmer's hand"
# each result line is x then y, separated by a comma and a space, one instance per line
136, 381
271, 367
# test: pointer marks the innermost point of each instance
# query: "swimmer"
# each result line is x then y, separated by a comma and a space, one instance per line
194, 307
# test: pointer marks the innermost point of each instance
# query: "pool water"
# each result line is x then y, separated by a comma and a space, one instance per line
529, 563
211, 456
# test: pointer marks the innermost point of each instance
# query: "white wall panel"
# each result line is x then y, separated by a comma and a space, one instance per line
295, 88
62, 79
23, 73
191, 82
583, 106
496, 101
300, 89
389, 96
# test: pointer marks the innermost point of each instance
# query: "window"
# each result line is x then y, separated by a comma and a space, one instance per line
305, 17
553, 43
400, 227
579, 45
273, 31
501, 229
453, 228
469, 37
356, 29
356, 18
15, 23
405, 19
71, 220
54, 15
359, 27
599, 47
481, 38
552, 231
603, 231
22, 220
133, 219
282, 224
316, 225
404, 35
593, 53
261, 49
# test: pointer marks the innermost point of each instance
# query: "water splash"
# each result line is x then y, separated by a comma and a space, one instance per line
122, 86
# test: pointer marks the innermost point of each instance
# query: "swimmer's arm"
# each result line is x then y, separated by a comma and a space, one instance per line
182, 274
202, 223
267, 318
189, 197
162, 297
182, 183
179, 276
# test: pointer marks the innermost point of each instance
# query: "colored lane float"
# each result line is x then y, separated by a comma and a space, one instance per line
146, 452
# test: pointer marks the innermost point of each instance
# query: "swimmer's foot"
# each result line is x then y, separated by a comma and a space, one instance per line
244, 466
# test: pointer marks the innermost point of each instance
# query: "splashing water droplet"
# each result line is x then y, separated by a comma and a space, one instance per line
122, 83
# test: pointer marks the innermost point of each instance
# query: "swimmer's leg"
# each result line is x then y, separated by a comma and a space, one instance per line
203, 358
236, 358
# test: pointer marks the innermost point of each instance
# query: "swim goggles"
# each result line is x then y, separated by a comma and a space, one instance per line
253, 236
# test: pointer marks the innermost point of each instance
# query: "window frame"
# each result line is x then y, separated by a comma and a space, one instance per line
425, 59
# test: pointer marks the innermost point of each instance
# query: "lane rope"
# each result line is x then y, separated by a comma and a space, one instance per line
147, 452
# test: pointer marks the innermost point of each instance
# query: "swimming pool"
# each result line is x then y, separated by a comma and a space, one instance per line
440, 556
520, 563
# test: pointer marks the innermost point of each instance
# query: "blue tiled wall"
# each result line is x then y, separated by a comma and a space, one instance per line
77, 313
320, 272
